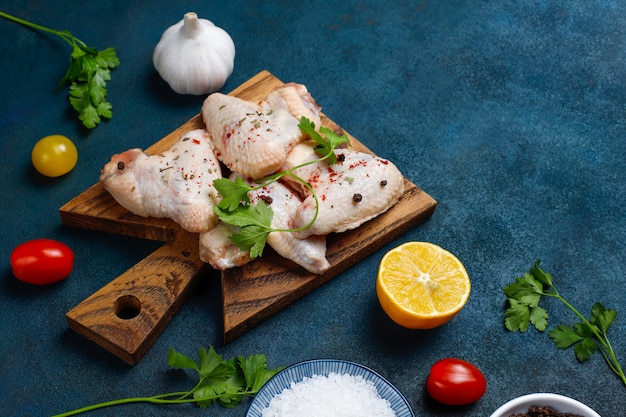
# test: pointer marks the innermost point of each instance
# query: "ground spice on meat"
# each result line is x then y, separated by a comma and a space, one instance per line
536, 411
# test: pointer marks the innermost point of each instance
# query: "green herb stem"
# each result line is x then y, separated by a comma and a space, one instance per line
605, 345
87, 76
64, 34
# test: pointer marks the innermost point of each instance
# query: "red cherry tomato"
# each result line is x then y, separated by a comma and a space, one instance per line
42, 261
455, 382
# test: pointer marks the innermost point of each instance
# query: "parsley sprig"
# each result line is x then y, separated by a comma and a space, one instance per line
222, 381
254, 221
586, 336
87, 75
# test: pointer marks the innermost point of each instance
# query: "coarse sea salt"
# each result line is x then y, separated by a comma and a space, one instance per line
335, 395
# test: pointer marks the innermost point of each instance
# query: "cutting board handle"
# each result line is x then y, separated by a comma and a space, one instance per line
127, 315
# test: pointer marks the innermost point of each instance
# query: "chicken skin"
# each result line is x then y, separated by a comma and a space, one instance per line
253, 138
356, 189
176, 184
219, 251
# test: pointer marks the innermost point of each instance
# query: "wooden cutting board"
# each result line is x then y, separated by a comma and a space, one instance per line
127, 315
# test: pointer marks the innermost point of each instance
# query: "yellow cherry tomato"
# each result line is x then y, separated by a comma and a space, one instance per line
54, 155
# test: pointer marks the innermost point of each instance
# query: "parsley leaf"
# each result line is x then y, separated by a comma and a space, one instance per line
602, 317
223, 381
87, 75
232, 192
254, 371
539, 318
254, 224
526, 290
252, 238
325, 146
517, 316
564, 336
179, 361
587, 336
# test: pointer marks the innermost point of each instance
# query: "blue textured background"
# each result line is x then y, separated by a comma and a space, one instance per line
511, 114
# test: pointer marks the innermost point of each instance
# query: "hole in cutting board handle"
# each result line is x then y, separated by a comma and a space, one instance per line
127, 307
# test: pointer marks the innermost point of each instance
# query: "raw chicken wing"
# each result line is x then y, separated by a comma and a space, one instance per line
356, 189
176, 184
253, 138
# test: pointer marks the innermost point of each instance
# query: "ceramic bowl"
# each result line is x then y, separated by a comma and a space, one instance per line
558, 402
299, 371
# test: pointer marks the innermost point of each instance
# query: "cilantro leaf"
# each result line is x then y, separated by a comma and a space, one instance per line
104, 109
520, 314
234, 385
523, 297
89, 116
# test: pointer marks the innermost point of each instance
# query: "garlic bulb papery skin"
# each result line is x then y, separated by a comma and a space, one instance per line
194, 56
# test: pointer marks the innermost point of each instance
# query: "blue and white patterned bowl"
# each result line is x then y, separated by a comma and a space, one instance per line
324, 367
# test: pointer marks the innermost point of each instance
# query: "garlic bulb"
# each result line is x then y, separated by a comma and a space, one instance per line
194, 56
